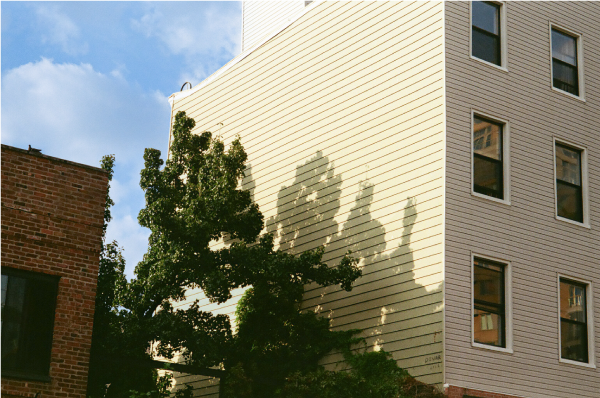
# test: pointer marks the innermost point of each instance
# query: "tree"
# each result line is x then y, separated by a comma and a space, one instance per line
204, 232
108, 337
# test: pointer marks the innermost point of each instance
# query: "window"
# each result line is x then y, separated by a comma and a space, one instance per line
565, 70
569, 182
28, 307
486, 35
573, 321
490, 173
489, 303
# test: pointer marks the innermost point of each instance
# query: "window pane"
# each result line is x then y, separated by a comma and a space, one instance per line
12, 319
572, 301
564, 47
486, 47
568, 165
487, 138
488, 291
573, 321
569, 202
3, 286
489, 284
28, 311
573, 341
487, 162
565, 77
488, 328
40, 325
486, 16
487, 177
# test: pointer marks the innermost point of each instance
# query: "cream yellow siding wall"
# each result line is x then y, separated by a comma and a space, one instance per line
342, 115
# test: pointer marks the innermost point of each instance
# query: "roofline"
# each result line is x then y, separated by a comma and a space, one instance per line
183, 94
52, 158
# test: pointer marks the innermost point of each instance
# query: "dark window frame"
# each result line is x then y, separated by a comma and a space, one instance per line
580, 217
573, 89
493, 308
500, 193
30, 324
498, 37
585, 339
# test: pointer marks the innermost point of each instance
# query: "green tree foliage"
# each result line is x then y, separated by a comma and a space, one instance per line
108, 339
194, 200
277, 349
372, 375
275, 340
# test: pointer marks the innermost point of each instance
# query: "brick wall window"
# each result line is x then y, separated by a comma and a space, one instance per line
28, 308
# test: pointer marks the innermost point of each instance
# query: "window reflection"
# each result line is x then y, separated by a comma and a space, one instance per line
573, 321
489, 297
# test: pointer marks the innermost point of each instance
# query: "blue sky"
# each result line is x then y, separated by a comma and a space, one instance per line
85, 79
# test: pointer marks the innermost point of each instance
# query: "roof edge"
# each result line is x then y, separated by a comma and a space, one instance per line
52, 158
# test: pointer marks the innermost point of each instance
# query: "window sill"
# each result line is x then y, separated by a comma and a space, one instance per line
580, 224
25, 376
492, 348
583, 364
500, 67
577, 97
480, 195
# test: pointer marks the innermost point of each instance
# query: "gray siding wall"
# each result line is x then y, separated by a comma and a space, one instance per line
526, 232
342, 118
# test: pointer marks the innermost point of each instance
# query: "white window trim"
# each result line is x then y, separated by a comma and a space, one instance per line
503, 46
590, 322
505, 157
580, 74
508, 307
584, 183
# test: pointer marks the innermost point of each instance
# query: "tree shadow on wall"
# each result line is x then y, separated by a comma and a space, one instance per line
306, 209
397, 302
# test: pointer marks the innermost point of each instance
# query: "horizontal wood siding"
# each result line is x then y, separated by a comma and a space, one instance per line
261, 17
342, 117
525, 232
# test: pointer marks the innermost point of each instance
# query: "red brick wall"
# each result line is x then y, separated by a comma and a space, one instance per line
459, 392
52, 217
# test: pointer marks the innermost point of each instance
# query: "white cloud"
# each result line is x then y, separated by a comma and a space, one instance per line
203, 33
60, 30
73, 111
76, 113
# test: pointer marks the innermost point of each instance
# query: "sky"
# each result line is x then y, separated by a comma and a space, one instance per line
85, 79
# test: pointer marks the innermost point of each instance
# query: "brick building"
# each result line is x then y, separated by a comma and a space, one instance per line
52, 218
